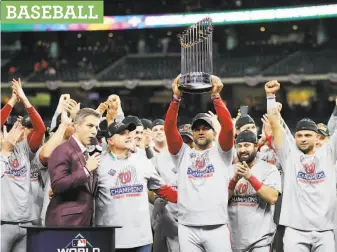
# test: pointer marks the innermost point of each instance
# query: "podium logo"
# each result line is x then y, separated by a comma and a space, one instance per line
79, 244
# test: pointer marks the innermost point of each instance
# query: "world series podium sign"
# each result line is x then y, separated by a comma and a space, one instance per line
70, 239
197, 57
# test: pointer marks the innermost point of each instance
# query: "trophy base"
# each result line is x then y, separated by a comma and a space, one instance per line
195, 83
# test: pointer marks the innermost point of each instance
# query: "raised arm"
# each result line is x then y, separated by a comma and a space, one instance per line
36, 136
332, 124
55, 140
7, 109
226, 135
174, 140
274, 116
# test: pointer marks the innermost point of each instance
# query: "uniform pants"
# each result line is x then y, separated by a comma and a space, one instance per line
308, 241
173, 244
13, 238
259, 249
213, 238
146, 248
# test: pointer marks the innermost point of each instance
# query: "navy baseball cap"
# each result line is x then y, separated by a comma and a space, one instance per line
186, 130
243, 120
146, 123
157, 122
202, 117
118, 128
132, 119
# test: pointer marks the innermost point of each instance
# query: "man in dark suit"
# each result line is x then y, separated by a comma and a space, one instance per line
73, 176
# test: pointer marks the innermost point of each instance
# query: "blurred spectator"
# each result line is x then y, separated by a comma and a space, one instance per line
141, 45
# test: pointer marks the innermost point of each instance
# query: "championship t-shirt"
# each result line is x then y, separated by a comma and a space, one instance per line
250, 217
203, 185
309, 193
17, 202
123, 197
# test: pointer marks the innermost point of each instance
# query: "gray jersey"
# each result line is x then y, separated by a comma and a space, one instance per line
167, 170
309, 192
40, 182
247, 211
17, 202
123, 197
203, 185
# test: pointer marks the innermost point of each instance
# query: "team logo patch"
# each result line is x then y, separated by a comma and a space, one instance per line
15, 163
112, 172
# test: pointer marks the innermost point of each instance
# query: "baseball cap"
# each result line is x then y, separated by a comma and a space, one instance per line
146, 123
243, 120
117, 128
323, 129
306, 124
246, 136
26, 122
157, 122
202, 117
132, 119
186, 130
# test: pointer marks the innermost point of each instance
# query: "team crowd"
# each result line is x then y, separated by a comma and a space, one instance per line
215, 185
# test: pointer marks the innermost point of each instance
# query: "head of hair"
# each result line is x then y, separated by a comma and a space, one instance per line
84, 113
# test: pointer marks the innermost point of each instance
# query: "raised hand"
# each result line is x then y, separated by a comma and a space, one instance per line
103, 106
71, 107
175, 87
17, 89
147, 137
62, 100
217, 85
11, 138
271, 87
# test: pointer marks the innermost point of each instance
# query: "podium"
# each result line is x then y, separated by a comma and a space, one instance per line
70, 239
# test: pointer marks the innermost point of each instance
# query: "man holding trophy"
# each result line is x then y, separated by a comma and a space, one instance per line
203, 171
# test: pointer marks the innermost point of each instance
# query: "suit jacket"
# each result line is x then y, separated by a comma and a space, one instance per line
73, 199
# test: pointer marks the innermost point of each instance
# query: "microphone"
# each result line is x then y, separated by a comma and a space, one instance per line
94, 146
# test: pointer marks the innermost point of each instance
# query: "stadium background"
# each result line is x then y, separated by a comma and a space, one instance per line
140, 64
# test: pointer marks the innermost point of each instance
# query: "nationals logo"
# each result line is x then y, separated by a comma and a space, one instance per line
244, 195
125, 177
127, 184
309, 174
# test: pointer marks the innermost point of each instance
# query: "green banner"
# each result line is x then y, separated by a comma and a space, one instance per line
52, 12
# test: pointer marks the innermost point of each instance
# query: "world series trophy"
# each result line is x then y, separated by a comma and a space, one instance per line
196, 57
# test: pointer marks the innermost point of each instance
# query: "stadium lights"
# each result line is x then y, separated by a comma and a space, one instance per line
178, 20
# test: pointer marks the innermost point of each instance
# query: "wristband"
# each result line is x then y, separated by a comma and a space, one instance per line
232, 184
256, 184
215, 96
270, 141
271, 102
175, 99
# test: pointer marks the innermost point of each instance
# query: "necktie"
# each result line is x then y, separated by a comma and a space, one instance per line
86, 156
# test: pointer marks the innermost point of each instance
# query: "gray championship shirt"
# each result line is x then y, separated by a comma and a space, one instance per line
123, 197
203, 185
17, 201
250, 217
309, 193
40, 183
167, 170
